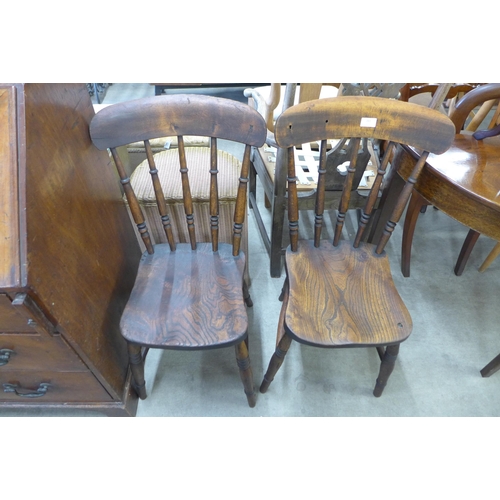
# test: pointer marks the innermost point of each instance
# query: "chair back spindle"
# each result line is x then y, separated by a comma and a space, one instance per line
359, 119
186, 192
160, 197
133, 203
214, 195
320, 198
241, 201
346, 192
373, 194
180, 116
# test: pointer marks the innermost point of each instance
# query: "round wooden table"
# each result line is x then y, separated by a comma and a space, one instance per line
464, 183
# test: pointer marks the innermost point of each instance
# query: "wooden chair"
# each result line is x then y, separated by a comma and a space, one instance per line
270, 168
479, 96
186, 295
342, 294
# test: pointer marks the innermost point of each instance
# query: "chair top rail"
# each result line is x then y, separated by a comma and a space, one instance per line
472, 99
369, 117
176, 115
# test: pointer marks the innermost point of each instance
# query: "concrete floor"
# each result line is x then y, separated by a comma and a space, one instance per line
455, 334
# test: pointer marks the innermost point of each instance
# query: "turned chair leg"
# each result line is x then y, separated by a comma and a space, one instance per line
386, 367
243, 360
246, 295
137, 367
276, 362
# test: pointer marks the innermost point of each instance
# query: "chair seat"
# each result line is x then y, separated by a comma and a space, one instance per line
187, 299
339, 299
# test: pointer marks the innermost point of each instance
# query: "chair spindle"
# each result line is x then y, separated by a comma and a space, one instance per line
160, 197
320, 195
135, 208
346, 192
401, 203
214, 196
293, 206
372, 197
241, 202
186, 192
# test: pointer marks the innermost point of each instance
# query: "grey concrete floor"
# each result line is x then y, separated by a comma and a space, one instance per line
455, 334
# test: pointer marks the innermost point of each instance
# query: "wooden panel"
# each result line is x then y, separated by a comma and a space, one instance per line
9, 204
82, 250
39, 352
65, 387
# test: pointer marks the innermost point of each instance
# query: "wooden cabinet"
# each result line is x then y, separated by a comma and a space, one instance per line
68, 256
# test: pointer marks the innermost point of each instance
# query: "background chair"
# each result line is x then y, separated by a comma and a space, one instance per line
479, 96
186, 295
269, 162
343, 295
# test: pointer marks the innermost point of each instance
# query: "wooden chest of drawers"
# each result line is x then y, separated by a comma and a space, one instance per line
64, 278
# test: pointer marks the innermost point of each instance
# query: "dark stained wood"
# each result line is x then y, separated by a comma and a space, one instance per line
342, 294
470, 240
133, 203
187, 295
492, 367
214, 195
205, 305
160, 197
71, 225
174, 115
346, 192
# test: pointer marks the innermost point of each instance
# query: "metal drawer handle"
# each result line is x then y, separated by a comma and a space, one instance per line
27, 393
5, 356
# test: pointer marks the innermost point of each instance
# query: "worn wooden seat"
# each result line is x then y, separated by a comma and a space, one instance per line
186, 295
342, 294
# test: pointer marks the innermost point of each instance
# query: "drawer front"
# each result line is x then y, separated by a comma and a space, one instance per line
11, 320
51, 387
37, 352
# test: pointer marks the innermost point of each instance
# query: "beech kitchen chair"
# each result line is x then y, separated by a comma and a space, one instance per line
342, 294
186, 295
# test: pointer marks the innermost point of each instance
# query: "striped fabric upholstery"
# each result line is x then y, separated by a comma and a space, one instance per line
198, 162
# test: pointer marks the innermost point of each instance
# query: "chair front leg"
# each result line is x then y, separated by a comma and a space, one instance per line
246, 295
276, 362
137, 368
243, 360
386, 368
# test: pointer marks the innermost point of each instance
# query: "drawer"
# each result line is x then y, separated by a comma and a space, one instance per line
63, 387
37, 352
11, 320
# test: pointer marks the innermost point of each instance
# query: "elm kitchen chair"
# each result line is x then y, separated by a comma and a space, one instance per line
342, 294
186, 295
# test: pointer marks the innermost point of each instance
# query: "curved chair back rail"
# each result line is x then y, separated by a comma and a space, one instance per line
339, 117
470, 101
175, 115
